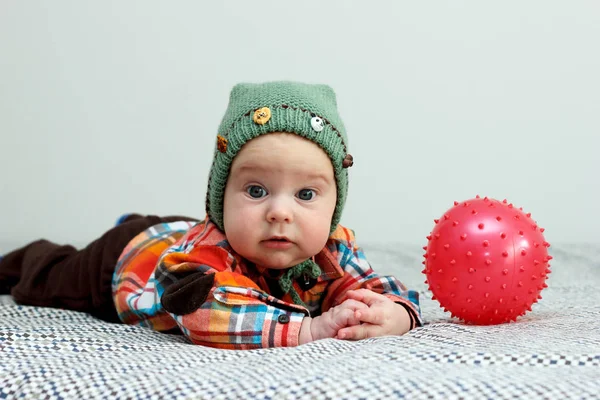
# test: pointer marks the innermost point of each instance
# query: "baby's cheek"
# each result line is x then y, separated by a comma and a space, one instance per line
316, 236
240, 235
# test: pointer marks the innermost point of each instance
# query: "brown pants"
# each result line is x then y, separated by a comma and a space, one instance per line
46, 274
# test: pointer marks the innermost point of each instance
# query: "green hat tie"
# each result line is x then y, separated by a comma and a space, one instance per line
309, 268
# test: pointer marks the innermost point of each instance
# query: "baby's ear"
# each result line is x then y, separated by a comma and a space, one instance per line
187, 295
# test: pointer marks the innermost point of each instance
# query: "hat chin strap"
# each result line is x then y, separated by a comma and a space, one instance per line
308, 267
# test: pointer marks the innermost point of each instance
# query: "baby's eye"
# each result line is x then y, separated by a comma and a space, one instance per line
256, 191
306, 194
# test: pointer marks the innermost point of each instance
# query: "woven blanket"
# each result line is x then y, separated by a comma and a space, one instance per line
553, 352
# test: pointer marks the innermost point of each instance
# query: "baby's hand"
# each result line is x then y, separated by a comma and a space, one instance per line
329, 323
382, 317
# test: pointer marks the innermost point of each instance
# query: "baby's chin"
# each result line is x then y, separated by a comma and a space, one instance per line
274, 264
277, 266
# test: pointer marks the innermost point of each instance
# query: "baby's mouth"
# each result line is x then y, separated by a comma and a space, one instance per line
277, 242
278, 239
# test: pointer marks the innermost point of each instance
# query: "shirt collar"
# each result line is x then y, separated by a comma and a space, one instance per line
325, 259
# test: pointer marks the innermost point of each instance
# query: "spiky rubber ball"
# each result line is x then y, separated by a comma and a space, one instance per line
486, 261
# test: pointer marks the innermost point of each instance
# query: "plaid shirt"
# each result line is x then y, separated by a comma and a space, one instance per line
245, 308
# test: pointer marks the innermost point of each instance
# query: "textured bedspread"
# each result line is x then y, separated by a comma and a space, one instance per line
552, 352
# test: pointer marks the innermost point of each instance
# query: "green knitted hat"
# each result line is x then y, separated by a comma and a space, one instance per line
307, 110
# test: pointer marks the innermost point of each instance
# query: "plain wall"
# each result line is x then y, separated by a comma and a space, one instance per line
113, 106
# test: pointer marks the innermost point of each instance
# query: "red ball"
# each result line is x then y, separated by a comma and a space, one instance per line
486, 261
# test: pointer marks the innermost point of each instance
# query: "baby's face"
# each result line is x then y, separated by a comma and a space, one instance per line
279, 200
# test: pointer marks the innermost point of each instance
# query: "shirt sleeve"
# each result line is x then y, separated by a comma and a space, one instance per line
227, 309
358, 274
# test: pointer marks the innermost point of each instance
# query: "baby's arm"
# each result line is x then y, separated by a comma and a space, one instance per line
226, 309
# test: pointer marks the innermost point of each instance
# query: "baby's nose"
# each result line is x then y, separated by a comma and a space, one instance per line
280, 211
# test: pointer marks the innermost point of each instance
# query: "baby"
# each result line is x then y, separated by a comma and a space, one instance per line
269, 266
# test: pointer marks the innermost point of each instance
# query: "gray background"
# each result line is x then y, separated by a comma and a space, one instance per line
108, 107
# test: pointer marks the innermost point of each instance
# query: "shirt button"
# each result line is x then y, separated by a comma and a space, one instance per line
283, 319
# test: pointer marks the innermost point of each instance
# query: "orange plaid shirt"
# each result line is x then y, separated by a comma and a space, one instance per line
243, 309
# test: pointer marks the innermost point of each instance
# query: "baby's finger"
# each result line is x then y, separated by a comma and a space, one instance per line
366, 296
358, 332
355, 294
353, 305
373, 316
345, 317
